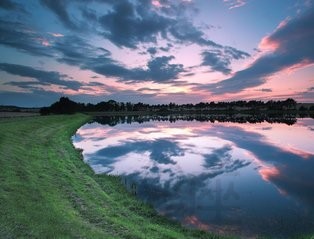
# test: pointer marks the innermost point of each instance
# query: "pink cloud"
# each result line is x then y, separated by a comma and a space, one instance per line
268, 44
156, 3
290, 46
268, 173
45, 43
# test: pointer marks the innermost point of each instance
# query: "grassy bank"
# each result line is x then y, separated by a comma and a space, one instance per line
46, 191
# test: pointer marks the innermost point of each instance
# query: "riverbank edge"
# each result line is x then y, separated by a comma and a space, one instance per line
47, 191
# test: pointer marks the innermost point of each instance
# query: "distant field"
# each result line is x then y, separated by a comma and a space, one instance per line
17, 114
46, 191
14, 111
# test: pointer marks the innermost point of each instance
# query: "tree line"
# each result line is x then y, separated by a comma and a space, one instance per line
67, 106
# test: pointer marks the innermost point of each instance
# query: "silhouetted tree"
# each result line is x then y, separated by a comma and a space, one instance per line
66, 106
63, 106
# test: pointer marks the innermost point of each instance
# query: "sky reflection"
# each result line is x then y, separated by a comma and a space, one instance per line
244, 179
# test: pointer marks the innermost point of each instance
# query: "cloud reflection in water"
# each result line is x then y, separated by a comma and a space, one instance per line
246, 179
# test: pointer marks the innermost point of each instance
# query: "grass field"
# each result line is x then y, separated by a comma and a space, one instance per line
47, 191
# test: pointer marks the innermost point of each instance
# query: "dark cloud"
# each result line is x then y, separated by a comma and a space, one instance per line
149, 89
27, 85
59, 8
163, 150
189, 74
73, 50
234, 53
8, 5
23, 38
221, 160
284, 161
265, 90
215, 158
43, 77
296, 32
182, 29
160, 150
89, 14
266, 128
158, 70
152, 50
128, 25
95, 83
165, 49
220, 59
185, 32
183, 194
217, 61
38, 97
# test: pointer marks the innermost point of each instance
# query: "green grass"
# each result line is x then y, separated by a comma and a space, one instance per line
47, 191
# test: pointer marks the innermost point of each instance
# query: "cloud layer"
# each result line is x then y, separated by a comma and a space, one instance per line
41, 77
220, 59
166, 42
126, 24
290, 45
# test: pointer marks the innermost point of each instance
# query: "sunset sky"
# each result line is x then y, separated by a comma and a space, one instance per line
155, 51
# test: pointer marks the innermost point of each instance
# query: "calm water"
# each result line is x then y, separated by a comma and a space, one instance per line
231, 178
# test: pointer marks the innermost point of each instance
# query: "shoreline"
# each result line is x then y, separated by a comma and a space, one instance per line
47, 191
